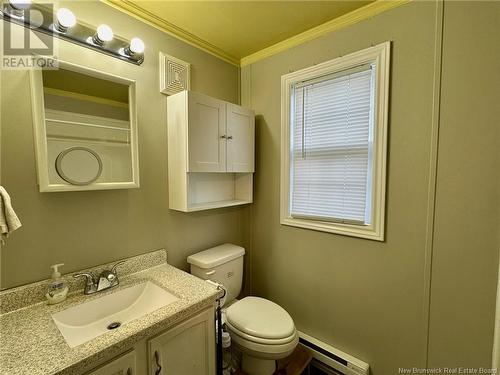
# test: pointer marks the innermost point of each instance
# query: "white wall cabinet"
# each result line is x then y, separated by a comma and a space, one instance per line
188, 349
210, 152
206, 128
85, 129
240, 139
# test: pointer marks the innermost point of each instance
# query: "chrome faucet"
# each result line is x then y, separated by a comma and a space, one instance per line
107, 279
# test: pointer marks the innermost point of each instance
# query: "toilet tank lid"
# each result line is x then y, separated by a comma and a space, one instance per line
216, 256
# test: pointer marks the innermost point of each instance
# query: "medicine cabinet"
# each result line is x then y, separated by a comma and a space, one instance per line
85, 129
210, 152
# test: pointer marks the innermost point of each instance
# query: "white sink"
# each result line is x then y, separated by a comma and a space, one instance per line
83, 322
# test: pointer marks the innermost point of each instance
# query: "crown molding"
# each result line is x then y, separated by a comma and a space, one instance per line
128, 7
357, 15
345, 20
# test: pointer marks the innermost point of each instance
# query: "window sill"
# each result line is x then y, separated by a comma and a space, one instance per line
367, 232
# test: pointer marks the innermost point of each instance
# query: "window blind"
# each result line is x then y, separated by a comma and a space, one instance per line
331, 147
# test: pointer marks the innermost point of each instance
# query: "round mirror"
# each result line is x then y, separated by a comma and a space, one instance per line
79, 165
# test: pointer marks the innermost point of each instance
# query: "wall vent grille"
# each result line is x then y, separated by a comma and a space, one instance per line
174, 74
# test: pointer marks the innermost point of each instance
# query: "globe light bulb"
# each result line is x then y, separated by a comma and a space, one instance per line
136, 45
65, 19
104, 33
20, 4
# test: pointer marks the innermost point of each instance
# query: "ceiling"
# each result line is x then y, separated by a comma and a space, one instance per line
236, 29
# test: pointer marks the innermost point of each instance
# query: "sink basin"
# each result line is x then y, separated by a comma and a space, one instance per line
82, 323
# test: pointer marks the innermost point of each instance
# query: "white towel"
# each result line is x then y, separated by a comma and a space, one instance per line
9, 221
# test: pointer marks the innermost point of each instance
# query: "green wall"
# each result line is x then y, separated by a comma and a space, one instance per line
373, 299
467, 225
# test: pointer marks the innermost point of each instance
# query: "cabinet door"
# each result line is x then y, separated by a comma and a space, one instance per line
187, 349
124, 365
206, 134
241, 139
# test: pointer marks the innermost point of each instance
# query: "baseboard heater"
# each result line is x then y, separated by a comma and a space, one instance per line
330, 361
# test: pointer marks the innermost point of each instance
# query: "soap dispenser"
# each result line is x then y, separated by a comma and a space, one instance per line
57, 289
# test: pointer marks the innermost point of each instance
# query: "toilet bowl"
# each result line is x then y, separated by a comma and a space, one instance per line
262, 330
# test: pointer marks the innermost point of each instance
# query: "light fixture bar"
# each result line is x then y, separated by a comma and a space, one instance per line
62, 25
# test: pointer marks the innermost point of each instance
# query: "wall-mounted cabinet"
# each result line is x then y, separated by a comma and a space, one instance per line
210, 152
85, 128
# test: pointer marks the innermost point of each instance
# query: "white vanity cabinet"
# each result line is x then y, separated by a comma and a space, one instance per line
210, 152
123, 365
187, 349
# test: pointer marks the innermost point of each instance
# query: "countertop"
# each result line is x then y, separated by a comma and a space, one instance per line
30, 342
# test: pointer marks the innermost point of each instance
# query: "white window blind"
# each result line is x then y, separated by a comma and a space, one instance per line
331, 147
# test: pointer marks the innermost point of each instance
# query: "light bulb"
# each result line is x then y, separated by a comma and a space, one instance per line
136, 45
20, 4
65, 19
104, 34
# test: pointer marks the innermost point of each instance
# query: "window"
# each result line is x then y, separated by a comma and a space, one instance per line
334, 126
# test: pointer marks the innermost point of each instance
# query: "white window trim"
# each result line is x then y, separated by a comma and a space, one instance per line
380, 56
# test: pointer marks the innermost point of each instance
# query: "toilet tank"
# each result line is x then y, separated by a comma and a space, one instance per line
222, 264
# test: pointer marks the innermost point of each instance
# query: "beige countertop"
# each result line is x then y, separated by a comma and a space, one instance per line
30, 342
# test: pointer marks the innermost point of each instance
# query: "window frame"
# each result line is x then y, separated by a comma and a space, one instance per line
379, 56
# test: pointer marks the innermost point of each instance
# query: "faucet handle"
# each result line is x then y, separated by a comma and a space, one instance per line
89, 280
113, 269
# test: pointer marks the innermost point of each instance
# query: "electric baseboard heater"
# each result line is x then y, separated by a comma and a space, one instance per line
330, 361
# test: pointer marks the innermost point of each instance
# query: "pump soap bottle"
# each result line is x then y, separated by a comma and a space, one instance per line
57, 289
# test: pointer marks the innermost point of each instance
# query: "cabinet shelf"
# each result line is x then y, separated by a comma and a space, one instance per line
77, 123
216, 204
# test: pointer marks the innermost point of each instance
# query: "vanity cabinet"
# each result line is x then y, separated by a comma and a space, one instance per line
210, 152
187, 349
123, 365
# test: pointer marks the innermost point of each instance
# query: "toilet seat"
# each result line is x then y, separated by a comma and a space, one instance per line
260, 318
261, 328
260, 340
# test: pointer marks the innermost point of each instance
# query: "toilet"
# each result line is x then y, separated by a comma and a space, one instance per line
261, 329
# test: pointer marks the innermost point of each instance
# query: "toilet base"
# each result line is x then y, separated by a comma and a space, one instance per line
257, 366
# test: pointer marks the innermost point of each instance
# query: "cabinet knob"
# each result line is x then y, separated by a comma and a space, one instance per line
223, 136
129, 371
157, 360
230, 137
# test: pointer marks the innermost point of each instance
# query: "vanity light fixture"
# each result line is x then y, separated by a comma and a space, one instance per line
65, 20
104, 34
64, 25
